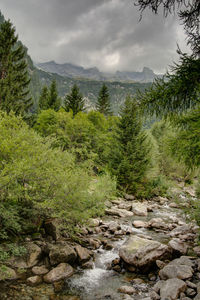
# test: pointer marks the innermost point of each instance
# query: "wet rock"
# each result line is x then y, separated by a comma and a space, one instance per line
125, 289
172, 288
197, 250
184, 229
94, 222
34, 280
190, 292
83, 254
94, 243
139, 209
129, 197
160, 264
118, 212
154, 295
88, 265
142, 253
178, 246
34, 254
140, 224
7, 273
52, 228
173, 205
62, 271
60, 253
158, 224
125, 205
113, 226
41, 270
175, 271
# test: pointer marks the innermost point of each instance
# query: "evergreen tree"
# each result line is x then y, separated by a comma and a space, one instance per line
103, 101
14, 80
74, 101
44, 99
54, 100
133, 158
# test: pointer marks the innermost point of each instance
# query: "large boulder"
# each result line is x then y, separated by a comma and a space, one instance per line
175, 271
143, 253
34, 254
62, 271
178, 246
183, 229
83, 254
172, 288
139, 209
61, 253
122, 213
52, 228
7, 273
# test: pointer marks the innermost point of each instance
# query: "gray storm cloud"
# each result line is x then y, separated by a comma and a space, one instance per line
106, 34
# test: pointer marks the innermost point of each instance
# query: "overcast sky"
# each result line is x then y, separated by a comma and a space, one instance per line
102, 33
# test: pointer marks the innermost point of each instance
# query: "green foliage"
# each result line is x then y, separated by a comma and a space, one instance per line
53, 99
44, 99
38, 181
74, 101
130, 158
103, 101
14, 81
177, 91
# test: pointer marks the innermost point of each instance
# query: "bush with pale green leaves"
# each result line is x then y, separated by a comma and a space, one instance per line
37, 180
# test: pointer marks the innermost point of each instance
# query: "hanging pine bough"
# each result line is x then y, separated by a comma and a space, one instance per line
177, 91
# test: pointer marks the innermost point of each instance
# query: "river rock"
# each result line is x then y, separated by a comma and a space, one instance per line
173, 205
184, 229
172, 288
178, 246
60, 253
125, 205
139, 209
62, 271
7, 273
143, 253
34, 254
140, 224
83, 254
41, 270
158, 224
34, 280
129, 197
125, 289
94, 222
122, 213
174, 271
183, 260
197, 250
113, 226
52, 228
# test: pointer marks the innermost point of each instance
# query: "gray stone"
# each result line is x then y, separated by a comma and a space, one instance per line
197, 297
61, 253
184, 229
139, 209
125, 289
34, 280
129, 197
41, 270
172, 288
122, 213
174, 271
62, 271
83, 254
140, 224
178, 246
142, 253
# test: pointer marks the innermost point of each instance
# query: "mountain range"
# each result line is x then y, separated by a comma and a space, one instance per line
74, 71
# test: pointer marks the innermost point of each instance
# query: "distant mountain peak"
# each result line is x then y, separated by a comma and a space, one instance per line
75, 71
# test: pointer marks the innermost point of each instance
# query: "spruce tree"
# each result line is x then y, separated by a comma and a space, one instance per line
133, 160
14, 79
74, 101
103, 101
54, 100
44, 99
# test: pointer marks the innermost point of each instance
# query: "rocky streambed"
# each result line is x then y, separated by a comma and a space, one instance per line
139, 250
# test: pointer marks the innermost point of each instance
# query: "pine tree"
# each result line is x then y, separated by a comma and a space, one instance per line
74, 101
44, 99
133, 160
54, 100
14, 80
103, 101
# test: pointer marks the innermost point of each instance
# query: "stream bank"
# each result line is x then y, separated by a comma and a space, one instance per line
130, 254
